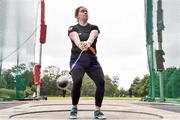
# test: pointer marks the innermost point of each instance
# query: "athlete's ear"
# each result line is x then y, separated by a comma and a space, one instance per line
77, 18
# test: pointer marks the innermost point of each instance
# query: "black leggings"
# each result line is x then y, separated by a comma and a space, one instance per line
93, 69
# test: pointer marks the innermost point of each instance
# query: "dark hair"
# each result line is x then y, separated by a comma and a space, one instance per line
77, 11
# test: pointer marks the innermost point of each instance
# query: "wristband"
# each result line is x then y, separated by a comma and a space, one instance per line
90, 42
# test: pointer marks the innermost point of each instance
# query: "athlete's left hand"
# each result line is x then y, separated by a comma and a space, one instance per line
86, 45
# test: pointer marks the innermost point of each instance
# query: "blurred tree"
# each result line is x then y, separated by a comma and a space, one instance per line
88, 87
9, 78
139, 86
110, 89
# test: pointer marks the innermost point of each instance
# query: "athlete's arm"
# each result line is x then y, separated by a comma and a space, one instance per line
75, 38
92, 36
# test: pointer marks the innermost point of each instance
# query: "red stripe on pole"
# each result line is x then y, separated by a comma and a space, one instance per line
43, 33
43, 25
37, 79
42, 12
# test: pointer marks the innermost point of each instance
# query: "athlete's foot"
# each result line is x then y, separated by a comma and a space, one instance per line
73, 113
99, 115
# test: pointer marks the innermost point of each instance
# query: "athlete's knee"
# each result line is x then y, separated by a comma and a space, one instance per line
77, 82
101, 82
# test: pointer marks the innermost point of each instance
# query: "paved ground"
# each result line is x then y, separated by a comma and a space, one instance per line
4, 105
165, 106
113, 109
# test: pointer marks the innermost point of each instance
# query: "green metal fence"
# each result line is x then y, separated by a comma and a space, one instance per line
163, 48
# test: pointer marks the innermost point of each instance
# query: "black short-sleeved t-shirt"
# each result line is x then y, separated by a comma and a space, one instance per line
83, 32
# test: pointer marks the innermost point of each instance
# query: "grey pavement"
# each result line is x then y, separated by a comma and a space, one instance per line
8, 104
113, 109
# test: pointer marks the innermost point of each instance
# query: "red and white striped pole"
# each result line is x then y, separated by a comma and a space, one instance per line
37, 73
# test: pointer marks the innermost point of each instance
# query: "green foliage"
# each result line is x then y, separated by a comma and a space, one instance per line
122, 92
171, 77
88, 87
139, 86
7, 93
48, 86
21, 74
19, 69
111, 89
29, 91
9, 78
51, 73
24, 75
3, 83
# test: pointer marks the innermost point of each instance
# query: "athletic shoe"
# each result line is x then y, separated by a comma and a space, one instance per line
99, 115
73, 113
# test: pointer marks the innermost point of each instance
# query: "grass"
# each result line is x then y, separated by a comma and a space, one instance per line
92, 98
168, 100
173, 100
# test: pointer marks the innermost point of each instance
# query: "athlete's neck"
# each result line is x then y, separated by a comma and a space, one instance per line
82, 23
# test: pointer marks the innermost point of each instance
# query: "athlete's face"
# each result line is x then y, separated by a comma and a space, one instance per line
83, 14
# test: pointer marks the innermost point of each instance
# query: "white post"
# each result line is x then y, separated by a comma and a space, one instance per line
40, 57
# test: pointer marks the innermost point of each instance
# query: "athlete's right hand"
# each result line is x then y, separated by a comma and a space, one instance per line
82, 47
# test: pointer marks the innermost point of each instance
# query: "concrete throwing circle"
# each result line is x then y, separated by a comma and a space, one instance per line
83, 115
